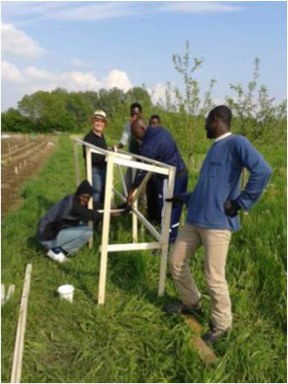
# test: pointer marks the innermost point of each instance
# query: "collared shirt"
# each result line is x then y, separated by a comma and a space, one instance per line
222, 136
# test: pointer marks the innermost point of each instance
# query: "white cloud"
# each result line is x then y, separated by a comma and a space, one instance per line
197, 7
18, 43
11, 73
31, 79
118, 79
94, 11
77, 62
75, 11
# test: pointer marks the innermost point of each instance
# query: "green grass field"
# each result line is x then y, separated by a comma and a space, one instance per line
129, 339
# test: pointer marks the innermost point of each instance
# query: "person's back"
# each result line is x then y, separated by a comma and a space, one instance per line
158, 144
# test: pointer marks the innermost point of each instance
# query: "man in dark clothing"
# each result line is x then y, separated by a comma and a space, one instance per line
152, 188
158, 144
64, 229
96, 137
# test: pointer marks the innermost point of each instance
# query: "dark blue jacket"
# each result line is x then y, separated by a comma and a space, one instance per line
158, 144
67, 213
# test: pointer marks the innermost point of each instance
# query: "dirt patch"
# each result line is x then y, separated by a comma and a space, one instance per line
22, 156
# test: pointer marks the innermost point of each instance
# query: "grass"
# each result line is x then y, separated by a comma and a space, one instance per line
129, 339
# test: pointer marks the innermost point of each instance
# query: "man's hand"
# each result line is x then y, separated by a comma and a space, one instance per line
175, 200
231, 208
130, 197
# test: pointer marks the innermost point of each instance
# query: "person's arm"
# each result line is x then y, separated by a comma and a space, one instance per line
85, 214
260, 173
125, 136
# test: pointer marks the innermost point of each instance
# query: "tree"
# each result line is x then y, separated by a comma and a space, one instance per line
13, 121
255, 110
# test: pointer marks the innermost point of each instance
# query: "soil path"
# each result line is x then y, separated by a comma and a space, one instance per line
22, 156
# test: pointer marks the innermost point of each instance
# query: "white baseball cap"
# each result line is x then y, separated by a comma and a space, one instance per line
99, 114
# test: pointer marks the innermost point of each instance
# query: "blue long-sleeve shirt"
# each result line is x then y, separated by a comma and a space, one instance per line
219, 180
159, 145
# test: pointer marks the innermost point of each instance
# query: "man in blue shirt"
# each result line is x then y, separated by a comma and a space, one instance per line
212, 215
158, 144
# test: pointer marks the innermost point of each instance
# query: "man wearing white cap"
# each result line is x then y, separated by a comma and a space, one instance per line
96, 137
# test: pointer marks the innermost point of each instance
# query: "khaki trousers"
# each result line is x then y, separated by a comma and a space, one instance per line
216, 243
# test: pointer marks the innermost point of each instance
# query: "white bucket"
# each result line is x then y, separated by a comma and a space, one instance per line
66, 292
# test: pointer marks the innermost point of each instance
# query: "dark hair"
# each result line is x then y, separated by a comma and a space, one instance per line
155, 117
223, 113
136, 105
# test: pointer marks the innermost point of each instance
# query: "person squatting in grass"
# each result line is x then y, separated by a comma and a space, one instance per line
213, 208
96, 137
158, 144
64, 229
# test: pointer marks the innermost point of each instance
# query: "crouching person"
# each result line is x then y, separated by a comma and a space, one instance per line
64, 229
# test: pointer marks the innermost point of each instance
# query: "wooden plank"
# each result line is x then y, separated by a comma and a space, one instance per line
19, 343
105, 230
2, 294
132, 247
166, 231
205, 352
90, 179
77, 168
10, 292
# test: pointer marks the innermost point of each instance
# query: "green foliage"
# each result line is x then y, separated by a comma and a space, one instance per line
257, 116
129, 339
13, 121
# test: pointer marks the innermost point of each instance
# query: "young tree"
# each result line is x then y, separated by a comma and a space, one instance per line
257, 116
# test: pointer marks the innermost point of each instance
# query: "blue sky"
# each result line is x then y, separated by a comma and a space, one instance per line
93, 45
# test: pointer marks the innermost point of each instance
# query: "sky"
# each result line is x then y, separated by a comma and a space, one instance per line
89, 45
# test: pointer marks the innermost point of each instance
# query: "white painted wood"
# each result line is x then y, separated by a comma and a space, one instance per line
2, 294
132, 247
77, 168
19, 342
10, 292
147, 224
165, 232
105, 230
90, 179
142, 166
134, 216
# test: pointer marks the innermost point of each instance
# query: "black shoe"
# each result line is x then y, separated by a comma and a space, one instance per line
181, 308
215, 334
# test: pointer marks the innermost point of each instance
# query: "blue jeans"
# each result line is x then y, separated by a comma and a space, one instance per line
70, 239
99, 177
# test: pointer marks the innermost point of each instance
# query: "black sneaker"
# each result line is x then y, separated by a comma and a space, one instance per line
181, 308
215, 334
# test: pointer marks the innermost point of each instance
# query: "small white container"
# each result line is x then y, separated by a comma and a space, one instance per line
66, 292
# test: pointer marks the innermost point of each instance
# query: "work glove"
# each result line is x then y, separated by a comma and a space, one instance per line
231, 208
175, 200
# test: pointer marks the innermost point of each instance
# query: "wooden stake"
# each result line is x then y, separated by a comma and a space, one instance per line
90, 179
19, 343
10, 292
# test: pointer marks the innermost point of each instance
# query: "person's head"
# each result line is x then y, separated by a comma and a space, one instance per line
84, 192
155, 121
135, 110
99, 121
218, 122
138, 129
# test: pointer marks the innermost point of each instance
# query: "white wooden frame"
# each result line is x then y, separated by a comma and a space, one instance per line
136, 162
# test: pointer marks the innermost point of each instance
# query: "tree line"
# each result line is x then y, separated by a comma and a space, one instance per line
183, 108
